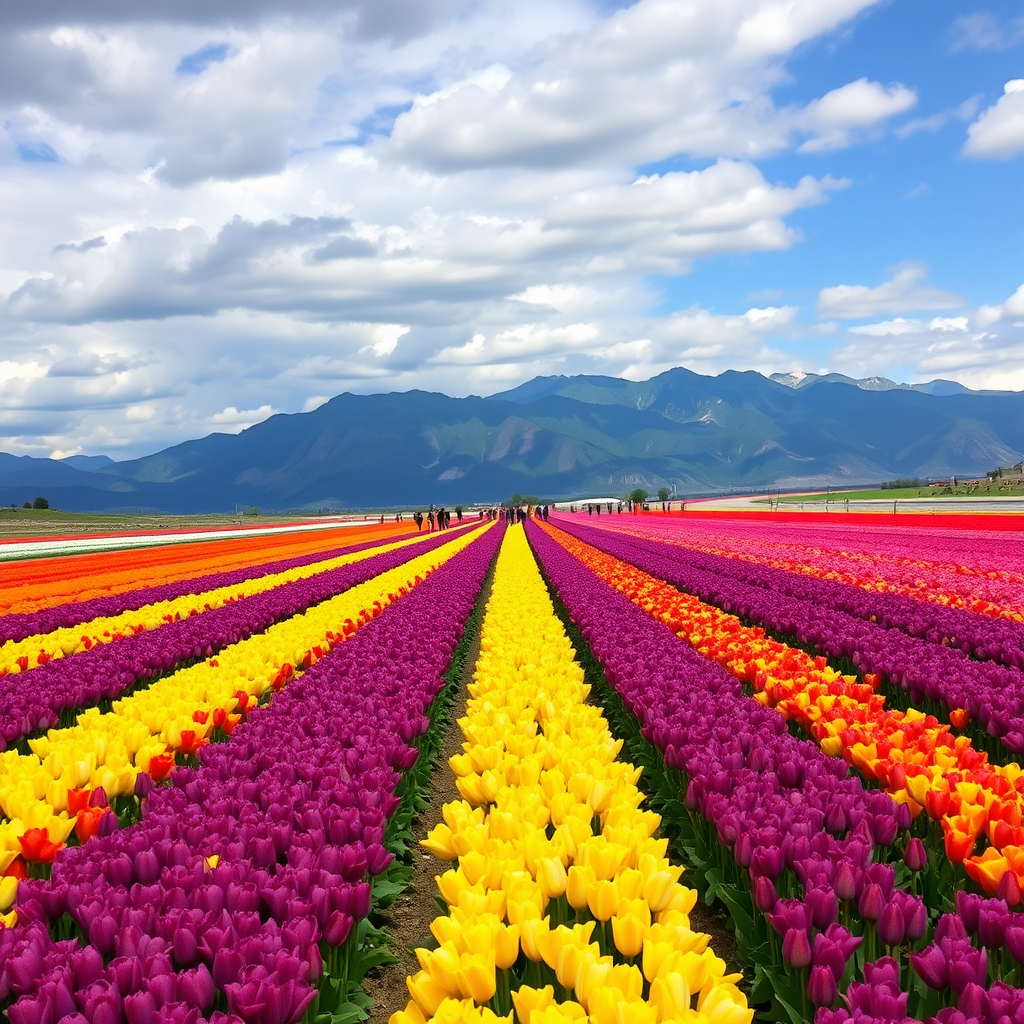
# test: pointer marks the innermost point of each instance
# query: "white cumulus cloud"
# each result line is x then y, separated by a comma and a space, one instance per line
998, 133
904, 292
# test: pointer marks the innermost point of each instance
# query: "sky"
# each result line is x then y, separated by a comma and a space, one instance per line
214, 212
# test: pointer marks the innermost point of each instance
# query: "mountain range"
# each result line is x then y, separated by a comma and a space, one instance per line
559, 437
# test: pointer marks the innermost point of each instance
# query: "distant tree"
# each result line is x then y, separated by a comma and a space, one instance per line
459, 510
252, 510
40, 503
529, 499
28, 504
638, 495
663, 493
515, 499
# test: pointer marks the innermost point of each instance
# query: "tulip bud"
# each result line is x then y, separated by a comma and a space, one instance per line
337, 929
796, 948
1009, 889
846, 882
551, 877
579, 880
628, 933
871, 903
821, 987
915, 856
891, 929
765, 896
916, 921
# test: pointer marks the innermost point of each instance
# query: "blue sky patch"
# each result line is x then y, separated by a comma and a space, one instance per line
37, 153
196, 63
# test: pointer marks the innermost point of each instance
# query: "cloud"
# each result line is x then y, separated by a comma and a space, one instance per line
982, 31
91, 243
904, 292
999, 132
343, 248
856, 106
387, 19
238, 419
655, 78
1014, 305
962, 112
90, 364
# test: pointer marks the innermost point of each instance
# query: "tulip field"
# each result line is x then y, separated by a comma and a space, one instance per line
216, 761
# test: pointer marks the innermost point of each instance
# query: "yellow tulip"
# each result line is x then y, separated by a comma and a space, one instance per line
476, 977
526, 999
603, 899
725, 1004
628, 933
444, 929
579, 882
636, 1011
532, 933
8, 890
439, 842
506, 946
412, 1014
552, 876
671, 995
592, 975
425, 992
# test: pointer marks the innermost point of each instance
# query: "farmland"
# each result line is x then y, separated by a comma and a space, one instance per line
697, 768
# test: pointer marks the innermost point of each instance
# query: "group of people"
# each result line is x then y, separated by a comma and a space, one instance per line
436, 519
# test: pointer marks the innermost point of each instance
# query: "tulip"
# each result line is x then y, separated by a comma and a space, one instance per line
552, 877
915, 856
891, 927
821, 987
628, 933
796, 948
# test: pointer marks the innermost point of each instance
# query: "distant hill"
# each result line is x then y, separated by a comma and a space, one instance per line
559, 437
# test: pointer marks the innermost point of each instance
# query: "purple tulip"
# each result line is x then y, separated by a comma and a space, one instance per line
821, 987
871, 902
823, 906
765, 896
970, 965
796, 948
891, 928
915, 856
931, 967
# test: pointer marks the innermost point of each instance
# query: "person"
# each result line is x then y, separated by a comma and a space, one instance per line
382, 519
418, 519
430, 520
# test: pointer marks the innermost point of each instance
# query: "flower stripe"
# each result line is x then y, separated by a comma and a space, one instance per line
44, 582
178, 714
51, 694
42, 648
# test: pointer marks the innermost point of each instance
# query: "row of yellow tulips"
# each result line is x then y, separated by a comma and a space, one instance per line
42, 648
563, 903
47, 791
